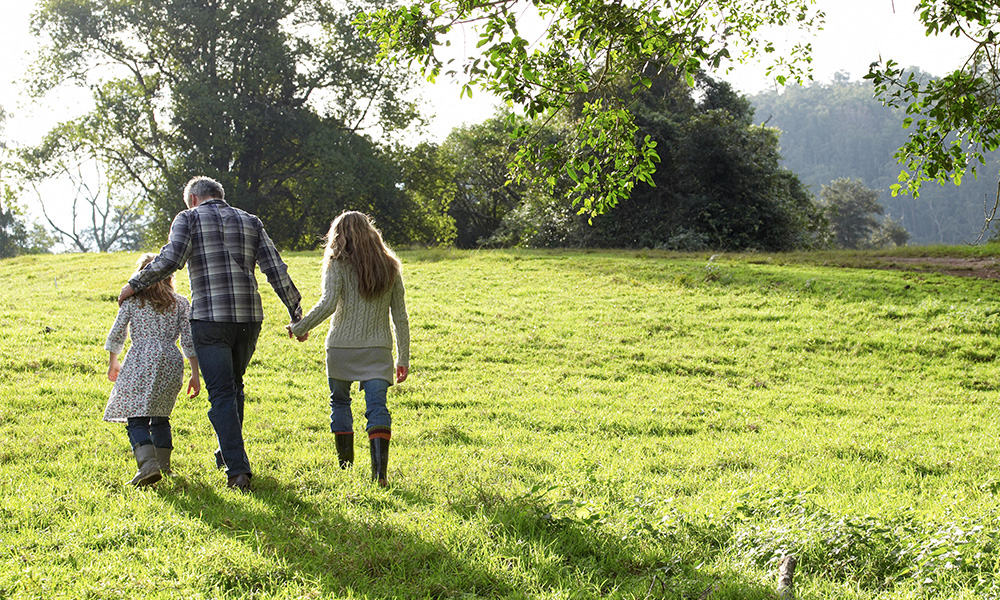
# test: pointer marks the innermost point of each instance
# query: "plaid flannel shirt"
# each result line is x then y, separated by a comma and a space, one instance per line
221, 246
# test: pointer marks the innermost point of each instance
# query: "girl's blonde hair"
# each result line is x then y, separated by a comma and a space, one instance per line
354, 238
161, 293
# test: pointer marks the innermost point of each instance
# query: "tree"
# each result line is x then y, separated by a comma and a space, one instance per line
466, 181
271, 97
586, 46
429, 183
479, 156
113, 214
890, 233
17, 236
719, 185
953, 119
851, 208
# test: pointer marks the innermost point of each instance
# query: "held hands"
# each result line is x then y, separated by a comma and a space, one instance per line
401, 373
301, 338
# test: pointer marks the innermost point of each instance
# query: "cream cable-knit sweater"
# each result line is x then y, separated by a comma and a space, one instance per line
359, 323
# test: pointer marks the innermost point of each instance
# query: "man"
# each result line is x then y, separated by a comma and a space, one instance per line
222, 245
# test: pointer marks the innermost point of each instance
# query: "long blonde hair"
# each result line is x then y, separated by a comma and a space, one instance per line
161, 293
354, 238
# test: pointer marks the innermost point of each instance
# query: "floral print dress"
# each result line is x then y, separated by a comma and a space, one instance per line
152, 373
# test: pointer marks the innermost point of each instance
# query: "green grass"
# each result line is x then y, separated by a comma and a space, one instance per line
576, 425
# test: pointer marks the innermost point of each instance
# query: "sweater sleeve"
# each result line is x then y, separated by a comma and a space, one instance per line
119, 330
400, 322
327, 303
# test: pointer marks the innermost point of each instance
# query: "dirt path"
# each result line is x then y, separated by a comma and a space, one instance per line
983, 268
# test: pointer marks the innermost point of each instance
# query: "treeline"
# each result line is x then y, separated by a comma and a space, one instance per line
718, 184
838, 130
298, 125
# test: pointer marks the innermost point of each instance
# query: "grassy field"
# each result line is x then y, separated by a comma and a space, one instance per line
576, 425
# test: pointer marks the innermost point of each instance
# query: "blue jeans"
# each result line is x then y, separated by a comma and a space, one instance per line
149, 430
376, 412
224, 351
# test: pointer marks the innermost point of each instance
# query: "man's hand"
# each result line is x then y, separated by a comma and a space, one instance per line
401, 373
127, 292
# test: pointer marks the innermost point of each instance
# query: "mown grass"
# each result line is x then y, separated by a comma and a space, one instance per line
576, 425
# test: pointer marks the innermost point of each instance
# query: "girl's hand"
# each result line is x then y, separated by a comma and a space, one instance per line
113, 368
194, 386
401, 373
301, 338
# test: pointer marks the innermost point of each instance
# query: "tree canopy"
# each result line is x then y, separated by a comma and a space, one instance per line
585, 43
851, 208
719, 184
275, 98
586, 46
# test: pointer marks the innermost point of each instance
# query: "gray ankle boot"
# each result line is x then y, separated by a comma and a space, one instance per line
149, 470
163, 459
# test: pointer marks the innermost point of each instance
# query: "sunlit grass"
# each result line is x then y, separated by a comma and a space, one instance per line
590, 424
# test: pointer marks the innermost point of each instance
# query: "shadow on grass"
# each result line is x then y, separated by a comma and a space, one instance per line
298, 543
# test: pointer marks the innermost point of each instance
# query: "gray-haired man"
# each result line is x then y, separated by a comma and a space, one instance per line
222, 246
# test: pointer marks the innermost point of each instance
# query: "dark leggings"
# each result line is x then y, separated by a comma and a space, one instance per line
149, 430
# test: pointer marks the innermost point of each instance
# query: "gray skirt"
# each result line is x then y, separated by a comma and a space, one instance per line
360, 364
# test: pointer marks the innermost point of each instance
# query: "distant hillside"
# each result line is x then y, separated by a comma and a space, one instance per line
837, 129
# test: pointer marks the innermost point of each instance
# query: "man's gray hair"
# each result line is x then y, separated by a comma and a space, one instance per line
204, 187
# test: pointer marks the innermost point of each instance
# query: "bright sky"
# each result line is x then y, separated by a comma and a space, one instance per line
857, 32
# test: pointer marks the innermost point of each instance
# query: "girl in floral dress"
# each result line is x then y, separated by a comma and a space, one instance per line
147, 384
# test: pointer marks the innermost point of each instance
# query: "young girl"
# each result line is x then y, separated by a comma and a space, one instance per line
362, 289
146, 386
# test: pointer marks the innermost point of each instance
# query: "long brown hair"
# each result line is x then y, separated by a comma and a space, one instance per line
161, 293
354, 238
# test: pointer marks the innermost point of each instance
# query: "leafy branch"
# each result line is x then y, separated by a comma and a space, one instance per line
586, 47
955, 119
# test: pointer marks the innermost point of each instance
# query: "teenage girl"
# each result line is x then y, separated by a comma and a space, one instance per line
146, 385
363, 290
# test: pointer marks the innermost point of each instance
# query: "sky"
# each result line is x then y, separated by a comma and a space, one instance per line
857, 32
